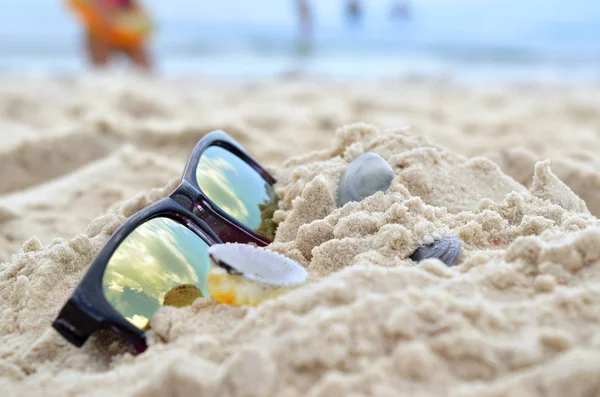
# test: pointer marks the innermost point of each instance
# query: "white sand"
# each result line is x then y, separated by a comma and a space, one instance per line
519, 315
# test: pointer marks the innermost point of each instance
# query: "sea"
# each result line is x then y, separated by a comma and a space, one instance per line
475, 39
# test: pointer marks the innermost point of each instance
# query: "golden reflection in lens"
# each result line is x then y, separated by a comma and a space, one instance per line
157, 256
233, 185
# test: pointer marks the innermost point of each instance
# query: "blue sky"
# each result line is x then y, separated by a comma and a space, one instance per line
486, 21
23, 15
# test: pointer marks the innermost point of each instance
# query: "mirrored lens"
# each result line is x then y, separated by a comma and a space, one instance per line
157, 258
237, 189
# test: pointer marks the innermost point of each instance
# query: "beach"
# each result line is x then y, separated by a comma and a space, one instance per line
511, 168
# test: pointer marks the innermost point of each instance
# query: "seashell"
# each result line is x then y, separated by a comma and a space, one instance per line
242, 274
447, 250
182, 295
365, 175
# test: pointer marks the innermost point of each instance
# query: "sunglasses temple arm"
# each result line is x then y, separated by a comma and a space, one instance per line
74, 324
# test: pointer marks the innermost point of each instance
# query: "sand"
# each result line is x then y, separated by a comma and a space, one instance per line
511, 169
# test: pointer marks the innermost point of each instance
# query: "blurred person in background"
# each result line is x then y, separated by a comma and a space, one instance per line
114, 27
306, 26
400, 10
353, 11
305, 13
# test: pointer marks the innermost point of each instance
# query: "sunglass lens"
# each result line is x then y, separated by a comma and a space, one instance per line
238, 189
160, 261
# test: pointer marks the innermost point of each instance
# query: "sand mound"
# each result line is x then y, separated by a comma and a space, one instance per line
518, 316
521, 305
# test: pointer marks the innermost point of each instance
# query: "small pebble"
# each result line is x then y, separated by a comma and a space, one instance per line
366, 175
545, 283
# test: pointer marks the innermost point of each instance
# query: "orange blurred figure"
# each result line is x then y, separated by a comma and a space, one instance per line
113, 27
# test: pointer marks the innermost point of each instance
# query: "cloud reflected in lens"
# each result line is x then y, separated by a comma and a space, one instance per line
233, 185
157, 256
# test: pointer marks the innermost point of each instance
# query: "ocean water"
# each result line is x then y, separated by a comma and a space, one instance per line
260, 37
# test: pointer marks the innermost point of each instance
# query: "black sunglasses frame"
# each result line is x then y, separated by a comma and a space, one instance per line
87, 310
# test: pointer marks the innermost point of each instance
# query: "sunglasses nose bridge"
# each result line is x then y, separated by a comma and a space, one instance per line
186, 195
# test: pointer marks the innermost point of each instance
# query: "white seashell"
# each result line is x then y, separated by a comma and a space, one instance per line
447, 250
243, 274
365, 175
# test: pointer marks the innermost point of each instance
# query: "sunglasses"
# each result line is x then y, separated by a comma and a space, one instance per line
224, 196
